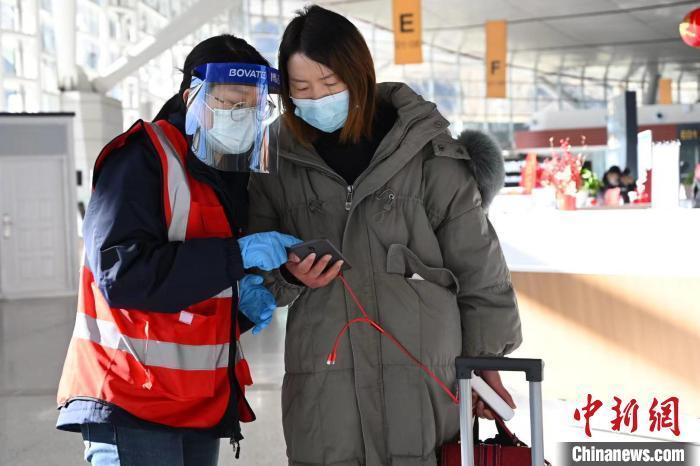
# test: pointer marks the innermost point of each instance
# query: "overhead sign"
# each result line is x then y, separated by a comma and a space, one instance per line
689, 134
496, 48
665, 92
408, 32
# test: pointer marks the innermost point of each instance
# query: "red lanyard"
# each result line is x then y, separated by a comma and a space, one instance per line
368, 320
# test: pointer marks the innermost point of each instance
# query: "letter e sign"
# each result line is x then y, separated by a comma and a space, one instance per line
408, 41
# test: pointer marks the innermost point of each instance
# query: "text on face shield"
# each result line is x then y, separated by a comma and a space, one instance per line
243, 73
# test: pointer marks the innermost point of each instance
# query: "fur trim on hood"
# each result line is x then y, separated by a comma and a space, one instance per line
486, 163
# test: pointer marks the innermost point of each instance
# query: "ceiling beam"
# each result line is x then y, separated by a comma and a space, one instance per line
555, 48
570, 16
175, 30
480, 58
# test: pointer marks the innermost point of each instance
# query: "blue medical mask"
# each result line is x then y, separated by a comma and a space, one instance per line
327, 113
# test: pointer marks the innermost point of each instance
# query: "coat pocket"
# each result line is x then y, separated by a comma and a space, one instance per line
401, 260
439, 330
439, 324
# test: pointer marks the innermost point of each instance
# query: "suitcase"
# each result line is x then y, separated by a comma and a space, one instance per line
533, 369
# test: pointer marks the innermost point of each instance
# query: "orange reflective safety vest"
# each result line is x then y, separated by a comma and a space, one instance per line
168, 368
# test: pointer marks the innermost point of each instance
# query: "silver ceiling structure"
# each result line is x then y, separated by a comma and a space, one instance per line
562, 53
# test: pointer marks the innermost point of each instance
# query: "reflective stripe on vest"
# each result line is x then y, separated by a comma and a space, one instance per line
227, 293
178, 190
179, 195
151, 352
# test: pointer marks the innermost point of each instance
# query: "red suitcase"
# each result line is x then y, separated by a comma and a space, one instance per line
505, 449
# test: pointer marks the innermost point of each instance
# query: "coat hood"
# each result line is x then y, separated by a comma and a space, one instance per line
486, 159
486, 163
419, 121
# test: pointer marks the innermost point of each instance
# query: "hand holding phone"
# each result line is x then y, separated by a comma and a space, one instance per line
316, 263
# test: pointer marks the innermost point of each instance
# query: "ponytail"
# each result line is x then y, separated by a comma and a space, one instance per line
175, 104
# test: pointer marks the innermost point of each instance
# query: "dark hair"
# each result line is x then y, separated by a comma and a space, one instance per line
218, 49
330, 39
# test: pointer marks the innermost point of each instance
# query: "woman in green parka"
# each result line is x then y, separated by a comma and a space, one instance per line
373, 168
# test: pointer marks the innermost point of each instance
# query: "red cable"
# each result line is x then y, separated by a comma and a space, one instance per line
367, 319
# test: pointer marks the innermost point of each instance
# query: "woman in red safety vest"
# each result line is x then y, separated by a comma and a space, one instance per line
154, 373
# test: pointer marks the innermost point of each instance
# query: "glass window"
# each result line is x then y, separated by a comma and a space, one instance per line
158, 5
11, 57
49, 76
88, 55
113, 28
129, 28
87, 21
271, 8
31, 97
255, 7
48, 38
92, 58
446, 97
144, 25
8, 65
50, 103
14, 99
10, 15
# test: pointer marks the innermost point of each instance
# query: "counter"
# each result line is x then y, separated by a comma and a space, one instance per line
638, 241
610, 299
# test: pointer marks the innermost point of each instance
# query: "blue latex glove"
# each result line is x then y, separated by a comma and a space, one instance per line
266, 251
255, 302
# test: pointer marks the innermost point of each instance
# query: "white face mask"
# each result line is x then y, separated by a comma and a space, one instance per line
233, 131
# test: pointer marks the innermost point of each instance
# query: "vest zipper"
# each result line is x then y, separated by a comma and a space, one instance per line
348, 198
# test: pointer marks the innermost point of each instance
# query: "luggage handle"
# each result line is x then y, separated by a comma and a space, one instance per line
533, 369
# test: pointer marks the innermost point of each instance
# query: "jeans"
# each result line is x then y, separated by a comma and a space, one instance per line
114, 445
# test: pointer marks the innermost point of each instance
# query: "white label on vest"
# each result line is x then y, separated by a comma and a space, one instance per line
186, 317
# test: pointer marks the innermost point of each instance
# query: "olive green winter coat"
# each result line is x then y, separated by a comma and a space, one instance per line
417, 209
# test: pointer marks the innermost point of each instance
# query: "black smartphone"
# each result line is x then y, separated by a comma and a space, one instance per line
320, 247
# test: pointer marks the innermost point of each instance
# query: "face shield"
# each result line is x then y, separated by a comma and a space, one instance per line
230, 111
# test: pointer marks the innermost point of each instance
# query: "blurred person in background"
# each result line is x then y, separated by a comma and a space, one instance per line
610, 192
611, 178
628, 186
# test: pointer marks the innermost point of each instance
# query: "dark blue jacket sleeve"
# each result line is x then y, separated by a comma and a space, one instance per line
127, 246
